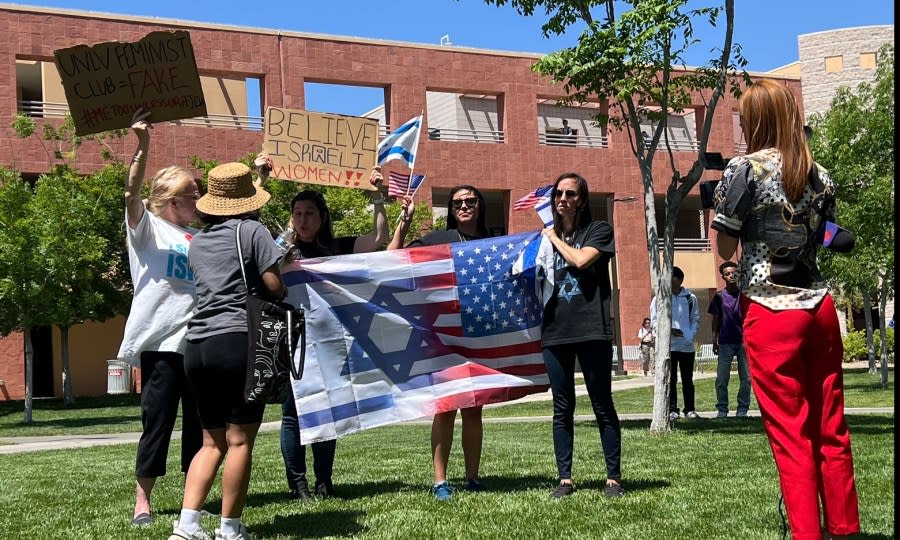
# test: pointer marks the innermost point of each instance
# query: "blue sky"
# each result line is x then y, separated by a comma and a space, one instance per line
767, 29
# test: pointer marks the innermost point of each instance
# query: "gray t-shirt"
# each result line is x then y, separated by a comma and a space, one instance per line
221, 294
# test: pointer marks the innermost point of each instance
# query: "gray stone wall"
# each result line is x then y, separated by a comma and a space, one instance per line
820, 87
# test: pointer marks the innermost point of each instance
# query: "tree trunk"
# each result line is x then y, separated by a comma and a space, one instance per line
882, 305
870, 338
68, 398
29, 374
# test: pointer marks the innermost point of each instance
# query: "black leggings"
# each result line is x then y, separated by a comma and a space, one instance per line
163, 384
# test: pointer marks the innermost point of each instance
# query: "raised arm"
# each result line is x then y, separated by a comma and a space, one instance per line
379, 235
134, 205
407, 209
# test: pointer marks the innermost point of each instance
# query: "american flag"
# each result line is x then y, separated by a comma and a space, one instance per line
398, 183
397, 335
531, 200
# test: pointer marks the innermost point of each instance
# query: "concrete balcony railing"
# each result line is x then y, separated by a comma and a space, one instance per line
581, 141
689, 244
46, 109
466, 135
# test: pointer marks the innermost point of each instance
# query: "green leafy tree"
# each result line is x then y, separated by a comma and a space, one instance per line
635, 61
854, 140
22, 302
78, 236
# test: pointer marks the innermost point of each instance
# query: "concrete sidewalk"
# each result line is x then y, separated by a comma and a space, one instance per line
15, 445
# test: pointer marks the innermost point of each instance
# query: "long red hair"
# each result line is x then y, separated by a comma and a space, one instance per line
771, 118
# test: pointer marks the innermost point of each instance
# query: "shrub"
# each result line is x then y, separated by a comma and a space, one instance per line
855, 346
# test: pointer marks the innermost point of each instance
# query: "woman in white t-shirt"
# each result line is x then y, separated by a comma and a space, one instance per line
159, 236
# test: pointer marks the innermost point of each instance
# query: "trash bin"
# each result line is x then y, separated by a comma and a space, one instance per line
118, 377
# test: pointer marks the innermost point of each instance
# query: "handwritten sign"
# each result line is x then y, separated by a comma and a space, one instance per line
105, 83
317, 148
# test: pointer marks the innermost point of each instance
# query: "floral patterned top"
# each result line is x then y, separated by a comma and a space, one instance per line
778, 258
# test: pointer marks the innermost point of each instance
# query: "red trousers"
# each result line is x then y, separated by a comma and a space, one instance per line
795, 360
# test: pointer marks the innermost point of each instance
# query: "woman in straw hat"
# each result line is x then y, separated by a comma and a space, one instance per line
158, 238
216, 359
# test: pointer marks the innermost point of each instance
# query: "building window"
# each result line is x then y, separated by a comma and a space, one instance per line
834, 64
466, 117
570, 125
867, 60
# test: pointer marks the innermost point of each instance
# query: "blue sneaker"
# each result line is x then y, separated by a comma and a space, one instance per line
442, 491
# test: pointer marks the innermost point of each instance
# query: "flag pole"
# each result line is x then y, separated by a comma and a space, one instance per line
412, 165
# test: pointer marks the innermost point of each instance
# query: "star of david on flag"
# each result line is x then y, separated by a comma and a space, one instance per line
397, 335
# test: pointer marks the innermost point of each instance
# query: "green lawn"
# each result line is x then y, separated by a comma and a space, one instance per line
121, 413
707, 479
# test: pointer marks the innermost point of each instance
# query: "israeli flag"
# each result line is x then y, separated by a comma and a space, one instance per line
544, 210
401, 144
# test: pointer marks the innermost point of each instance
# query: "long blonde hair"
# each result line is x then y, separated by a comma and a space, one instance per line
771, 118
164, 186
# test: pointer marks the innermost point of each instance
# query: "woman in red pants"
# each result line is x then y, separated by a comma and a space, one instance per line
775, 200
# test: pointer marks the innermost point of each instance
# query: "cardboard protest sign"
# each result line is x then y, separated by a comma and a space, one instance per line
317, 148
105, 83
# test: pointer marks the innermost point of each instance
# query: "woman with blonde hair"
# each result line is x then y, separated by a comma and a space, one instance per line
775, 200
158, 236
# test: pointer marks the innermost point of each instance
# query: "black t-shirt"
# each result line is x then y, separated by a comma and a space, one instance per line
437, 238
580, 307
339, 246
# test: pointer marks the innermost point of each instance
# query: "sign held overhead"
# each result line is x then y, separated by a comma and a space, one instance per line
318, 148
105, 83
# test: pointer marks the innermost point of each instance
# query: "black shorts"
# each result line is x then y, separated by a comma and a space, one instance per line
216, 368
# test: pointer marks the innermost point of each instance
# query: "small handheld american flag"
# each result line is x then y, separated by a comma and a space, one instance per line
533, 199
398, 184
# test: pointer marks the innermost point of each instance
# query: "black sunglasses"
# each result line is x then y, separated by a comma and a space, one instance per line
471, 202
569, 193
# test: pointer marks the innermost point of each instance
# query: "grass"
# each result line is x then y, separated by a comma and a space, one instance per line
704, 480
122, 413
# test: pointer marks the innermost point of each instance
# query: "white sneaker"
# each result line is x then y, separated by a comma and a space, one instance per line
692, 415
674, 415
243, 534
180, 534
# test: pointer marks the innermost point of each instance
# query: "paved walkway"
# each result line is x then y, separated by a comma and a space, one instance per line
14, 445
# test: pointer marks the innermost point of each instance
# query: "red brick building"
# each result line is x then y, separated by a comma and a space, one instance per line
503, 136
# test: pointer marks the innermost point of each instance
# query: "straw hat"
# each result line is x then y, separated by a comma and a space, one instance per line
231, 192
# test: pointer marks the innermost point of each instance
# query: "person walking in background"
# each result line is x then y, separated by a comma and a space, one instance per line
685, 323
465, 221
647, 337
159, 235
216, 359
577, 324
313, 236
728, 340
775, 199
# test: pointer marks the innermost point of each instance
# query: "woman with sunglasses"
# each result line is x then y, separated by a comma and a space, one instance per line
577, 324
159, 235
313, 236
465, 221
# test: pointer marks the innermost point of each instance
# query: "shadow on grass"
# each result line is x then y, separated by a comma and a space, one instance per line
64, 423
328, 523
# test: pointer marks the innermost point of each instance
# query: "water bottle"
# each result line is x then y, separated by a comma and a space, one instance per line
283, 241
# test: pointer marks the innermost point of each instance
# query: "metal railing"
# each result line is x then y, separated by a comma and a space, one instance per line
740, 148
689, 244
46, 109
581, 141
465, 135
678, 145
